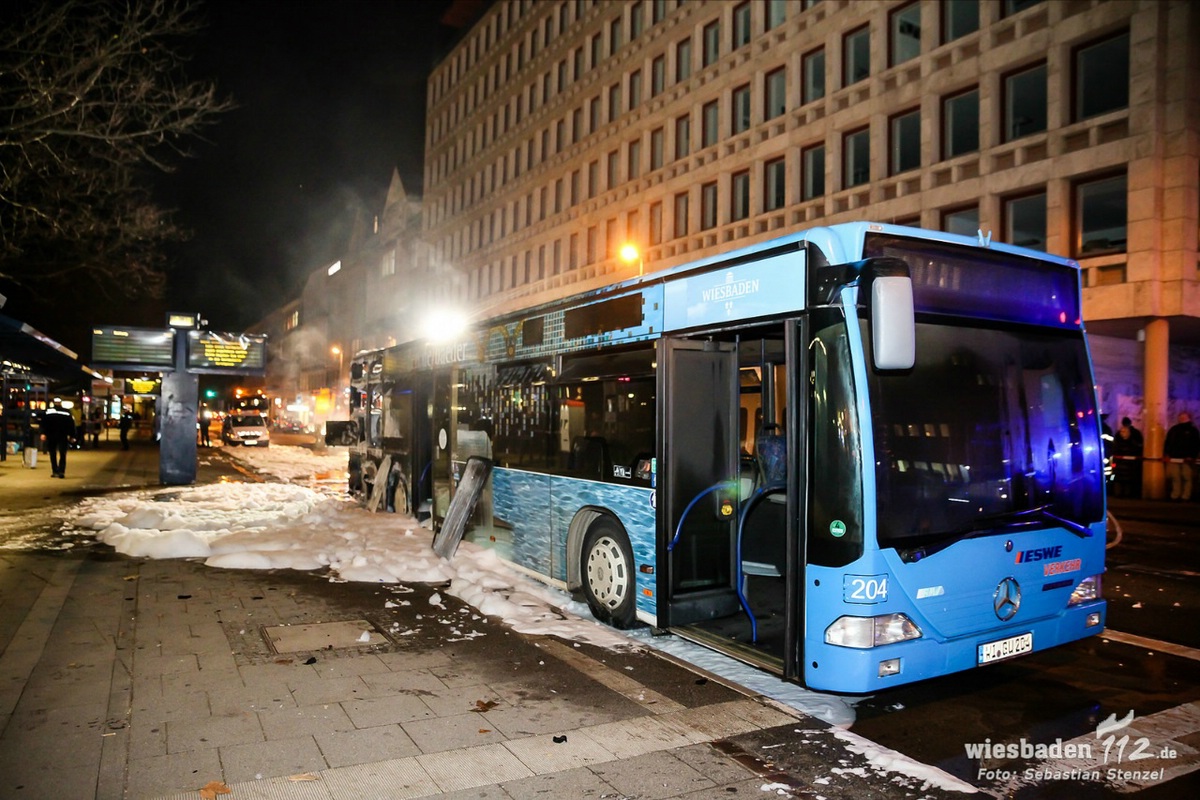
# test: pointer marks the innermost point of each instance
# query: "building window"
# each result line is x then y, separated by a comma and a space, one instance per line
709, 124
576, 125
776, 13
578, 63
1010, 7
812, 162
856, 158
740, 199
708, 206
813, 68
593, 179
963, 221
1025, 103
1102, 77
614, 102
635, 159
683, 136
741, 109
741, 25
658, 11
905, 145
658, 75
594, 114
597, 51
1025, 221
681, 215
635, 89
776, 98
656, 223
960, 124
905, 28
959, 17
575, 178
683, 60
637, 21
614, 36
856, 55
1101, 217
712, 43
387, 265
774, 184
657, 140
614, 175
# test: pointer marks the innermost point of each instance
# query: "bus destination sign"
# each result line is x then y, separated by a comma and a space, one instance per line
209, 351
151, 349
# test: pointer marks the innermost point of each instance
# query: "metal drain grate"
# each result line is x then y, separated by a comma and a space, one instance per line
323, 636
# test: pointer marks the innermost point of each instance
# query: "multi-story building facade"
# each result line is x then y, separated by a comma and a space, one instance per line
558, 131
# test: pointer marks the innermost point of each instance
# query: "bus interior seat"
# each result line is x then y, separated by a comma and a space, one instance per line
589, 457
771, 450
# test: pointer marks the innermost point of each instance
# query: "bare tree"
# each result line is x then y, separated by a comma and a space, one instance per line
93, 100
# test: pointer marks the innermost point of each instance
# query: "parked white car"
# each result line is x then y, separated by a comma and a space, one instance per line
250, 430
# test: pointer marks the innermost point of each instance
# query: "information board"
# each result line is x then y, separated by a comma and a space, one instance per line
226, 353
151, 349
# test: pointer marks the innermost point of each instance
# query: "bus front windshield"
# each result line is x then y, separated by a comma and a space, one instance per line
992, 429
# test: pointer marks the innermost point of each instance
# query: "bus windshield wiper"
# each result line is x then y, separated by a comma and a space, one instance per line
994, 523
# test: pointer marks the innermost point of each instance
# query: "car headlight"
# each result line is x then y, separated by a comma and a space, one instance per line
1088, 590
866, 632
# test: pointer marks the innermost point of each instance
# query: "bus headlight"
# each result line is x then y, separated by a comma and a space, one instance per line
1087, 591
865, 632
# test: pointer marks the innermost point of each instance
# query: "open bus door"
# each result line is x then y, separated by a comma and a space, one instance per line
731, 487
699, 450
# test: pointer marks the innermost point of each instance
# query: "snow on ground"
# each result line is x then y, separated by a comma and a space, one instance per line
302, 523
307, 523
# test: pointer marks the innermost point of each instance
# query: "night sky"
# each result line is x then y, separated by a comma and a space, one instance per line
331, 98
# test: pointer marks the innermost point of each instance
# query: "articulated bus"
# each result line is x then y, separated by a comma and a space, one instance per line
856, 456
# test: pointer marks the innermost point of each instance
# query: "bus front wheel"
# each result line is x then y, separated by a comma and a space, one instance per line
608, 574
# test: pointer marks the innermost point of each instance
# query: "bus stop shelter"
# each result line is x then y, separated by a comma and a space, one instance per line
32, 365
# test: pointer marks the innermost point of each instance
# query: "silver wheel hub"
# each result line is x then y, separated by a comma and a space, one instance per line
608, 572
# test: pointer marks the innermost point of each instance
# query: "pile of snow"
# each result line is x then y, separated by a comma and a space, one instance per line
294, 464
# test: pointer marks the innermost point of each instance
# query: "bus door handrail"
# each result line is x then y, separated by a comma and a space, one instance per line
750, 503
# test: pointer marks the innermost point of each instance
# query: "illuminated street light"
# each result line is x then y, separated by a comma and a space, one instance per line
444, 325
629, 254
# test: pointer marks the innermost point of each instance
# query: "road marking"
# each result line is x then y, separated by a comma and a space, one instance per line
1151, 644
1170, 573
647, 698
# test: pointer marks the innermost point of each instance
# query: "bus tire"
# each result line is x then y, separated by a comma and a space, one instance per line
607, 569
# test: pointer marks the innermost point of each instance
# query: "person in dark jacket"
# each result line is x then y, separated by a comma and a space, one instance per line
1181, 449
1127, 451
58, 428
124, 425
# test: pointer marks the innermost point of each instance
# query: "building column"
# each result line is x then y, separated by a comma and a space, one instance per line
1156, 381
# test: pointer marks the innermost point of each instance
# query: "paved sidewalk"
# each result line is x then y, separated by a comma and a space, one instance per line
131, 678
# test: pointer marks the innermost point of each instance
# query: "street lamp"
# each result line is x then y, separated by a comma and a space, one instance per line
337, 383
629, 254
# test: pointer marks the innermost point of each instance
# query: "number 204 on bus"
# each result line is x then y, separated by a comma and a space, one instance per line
857, 456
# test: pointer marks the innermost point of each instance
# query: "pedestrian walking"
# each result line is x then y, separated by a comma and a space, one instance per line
58, 429
1181, 449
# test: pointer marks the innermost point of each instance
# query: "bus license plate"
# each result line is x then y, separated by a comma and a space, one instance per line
1005, 648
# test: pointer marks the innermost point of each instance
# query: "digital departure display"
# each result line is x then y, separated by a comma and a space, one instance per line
133, 348
209, 351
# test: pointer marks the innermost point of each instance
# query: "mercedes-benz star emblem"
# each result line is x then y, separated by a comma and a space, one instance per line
1007, 599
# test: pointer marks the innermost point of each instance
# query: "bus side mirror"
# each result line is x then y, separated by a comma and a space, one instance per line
893, 329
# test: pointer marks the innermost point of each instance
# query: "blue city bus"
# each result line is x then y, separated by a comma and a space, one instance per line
856, 456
